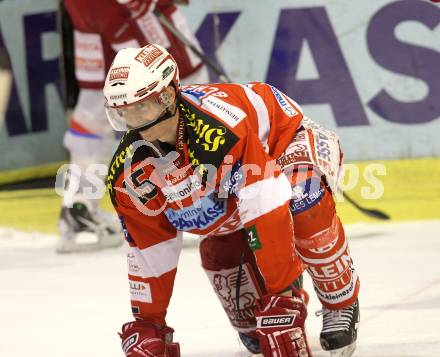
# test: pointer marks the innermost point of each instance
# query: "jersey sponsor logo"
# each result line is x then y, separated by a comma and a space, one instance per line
208, 140
201, 91
133, 267
323, 148
140, 291
230, 114
171, 179
253, 238
148, 55
209, 137
202, 214
299, 151
275, 321
335, 284
119, 73
338, 296
284, 103
335, 268
233, 183
182, 190
295, 153
306, 194
130, 342
328, 153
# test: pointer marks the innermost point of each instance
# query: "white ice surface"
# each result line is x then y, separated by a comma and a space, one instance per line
73, 305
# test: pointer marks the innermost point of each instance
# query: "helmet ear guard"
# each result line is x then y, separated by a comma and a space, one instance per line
165, 99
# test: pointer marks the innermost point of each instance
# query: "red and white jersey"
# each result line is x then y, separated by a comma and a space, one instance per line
224, 179
103, 27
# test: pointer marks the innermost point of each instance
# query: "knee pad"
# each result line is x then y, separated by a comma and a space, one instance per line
232, 272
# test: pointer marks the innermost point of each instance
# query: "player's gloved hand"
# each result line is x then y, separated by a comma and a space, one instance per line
145, 339
280, 326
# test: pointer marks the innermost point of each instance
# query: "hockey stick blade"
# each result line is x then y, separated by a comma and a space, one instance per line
373, 213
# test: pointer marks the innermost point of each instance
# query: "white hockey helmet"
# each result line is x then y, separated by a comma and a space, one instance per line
135, 76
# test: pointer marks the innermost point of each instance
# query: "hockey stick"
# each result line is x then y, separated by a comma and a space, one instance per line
5, 84
374, 213
209, 63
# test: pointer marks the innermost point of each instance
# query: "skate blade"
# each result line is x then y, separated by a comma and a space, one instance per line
247, 354
88, 242
346, 351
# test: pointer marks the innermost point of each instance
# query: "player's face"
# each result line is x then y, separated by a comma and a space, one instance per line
139, 114
164, 131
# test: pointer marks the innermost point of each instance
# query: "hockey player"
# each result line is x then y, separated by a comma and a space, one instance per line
241, 166
101, 28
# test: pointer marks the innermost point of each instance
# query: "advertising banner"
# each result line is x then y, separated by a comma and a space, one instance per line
369, 70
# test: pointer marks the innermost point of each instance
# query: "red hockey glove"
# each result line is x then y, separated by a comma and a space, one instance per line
145, 339
280, 326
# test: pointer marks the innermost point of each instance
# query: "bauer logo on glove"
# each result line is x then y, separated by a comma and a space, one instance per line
130, 342
275, 321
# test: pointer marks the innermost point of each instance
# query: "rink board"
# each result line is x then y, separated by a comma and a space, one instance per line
411, 190
368, 70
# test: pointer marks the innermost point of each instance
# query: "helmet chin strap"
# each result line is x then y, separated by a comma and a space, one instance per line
165, 116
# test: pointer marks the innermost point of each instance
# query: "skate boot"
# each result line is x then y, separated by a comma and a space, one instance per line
101, 229
339, 330
251, 342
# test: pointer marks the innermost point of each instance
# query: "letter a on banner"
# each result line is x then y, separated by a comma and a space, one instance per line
334, 85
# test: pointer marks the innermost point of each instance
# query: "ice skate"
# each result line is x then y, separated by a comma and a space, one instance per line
85, 228
250, 341
339, 330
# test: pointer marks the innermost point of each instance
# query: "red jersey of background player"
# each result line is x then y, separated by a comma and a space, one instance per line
103, 27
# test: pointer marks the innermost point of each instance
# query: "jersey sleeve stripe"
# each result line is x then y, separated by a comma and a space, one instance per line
262, 115
263, 196
158, 259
